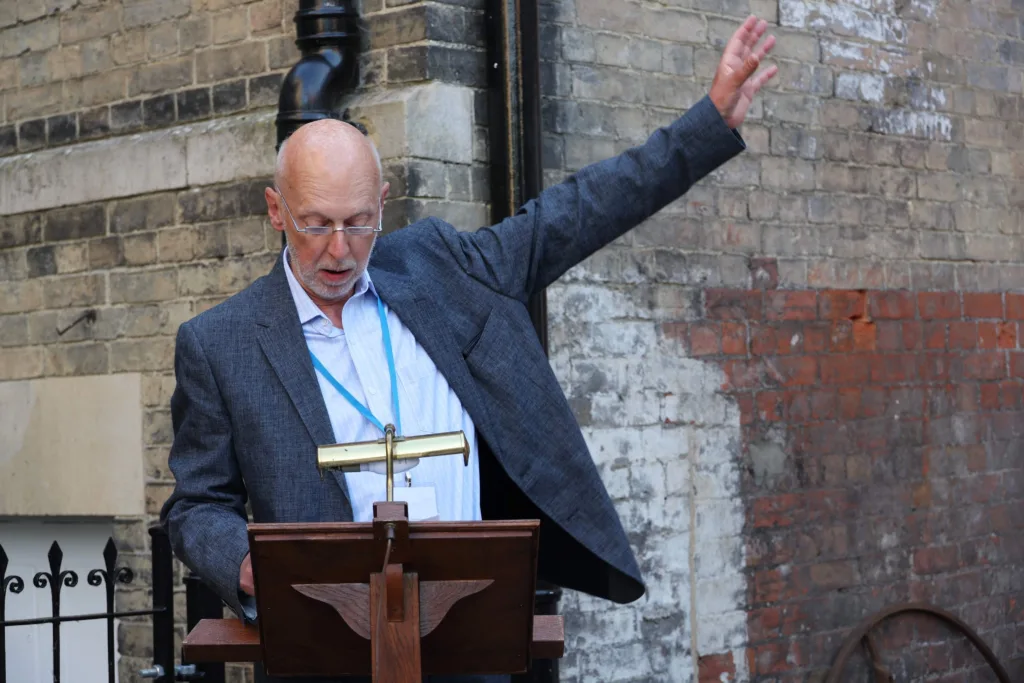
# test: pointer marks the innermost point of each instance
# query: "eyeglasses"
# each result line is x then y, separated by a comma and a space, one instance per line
353, 230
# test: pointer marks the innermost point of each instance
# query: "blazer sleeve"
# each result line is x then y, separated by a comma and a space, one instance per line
570, 221
205, 515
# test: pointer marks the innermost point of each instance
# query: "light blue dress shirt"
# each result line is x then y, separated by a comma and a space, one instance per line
355, 356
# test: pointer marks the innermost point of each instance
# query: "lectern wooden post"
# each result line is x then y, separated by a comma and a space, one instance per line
391, 599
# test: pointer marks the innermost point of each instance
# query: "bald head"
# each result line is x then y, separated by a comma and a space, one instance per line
328, 175
320, 147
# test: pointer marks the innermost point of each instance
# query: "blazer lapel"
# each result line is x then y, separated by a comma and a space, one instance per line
280, 336
427, 323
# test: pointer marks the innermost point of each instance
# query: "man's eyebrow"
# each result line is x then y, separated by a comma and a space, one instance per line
367, 210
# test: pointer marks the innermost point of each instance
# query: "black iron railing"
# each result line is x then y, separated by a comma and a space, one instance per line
58, 579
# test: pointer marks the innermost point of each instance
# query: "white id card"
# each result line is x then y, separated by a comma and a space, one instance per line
422, 502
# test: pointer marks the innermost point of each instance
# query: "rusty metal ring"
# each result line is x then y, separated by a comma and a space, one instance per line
862, 630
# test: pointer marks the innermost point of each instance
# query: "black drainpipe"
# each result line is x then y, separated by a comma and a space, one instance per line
513, 61
514, 123
533, 175
327, 33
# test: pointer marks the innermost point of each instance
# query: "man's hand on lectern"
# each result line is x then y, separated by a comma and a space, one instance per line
245, 577
734, 85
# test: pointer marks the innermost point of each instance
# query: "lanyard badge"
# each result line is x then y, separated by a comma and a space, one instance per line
363, 410
422, 500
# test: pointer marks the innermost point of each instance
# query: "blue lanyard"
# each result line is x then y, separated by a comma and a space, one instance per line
363, 410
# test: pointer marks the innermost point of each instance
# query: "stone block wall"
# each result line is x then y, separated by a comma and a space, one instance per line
73, 71
143, 265
799, 380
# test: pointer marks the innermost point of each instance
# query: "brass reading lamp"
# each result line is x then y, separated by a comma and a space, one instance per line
347, 457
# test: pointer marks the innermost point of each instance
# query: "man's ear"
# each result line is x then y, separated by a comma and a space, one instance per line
385, 188
274, 209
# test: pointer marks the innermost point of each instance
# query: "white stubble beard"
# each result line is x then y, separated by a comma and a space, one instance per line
307, 274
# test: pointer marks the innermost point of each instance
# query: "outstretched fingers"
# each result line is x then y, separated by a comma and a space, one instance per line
760, 26
743, 73
752, 55
762, 78
766, 47
744, 38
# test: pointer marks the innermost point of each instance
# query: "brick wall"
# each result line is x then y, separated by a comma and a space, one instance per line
79, 71
409, 44
74, 72
791, 312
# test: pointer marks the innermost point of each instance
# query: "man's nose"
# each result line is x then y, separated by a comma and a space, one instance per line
337, 247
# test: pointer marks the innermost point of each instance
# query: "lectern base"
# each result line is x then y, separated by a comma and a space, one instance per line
465, 589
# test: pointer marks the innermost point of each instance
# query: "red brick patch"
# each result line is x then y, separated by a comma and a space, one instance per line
843, 305
891, 305
712, 668
983, 305
938, 305
791, 305
899, 418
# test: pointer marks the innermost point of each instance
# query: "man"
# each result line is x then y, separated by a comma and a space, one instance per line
427, 328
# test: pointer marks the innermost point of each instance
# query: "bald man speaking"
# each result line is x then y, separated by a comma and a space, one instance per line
427, 328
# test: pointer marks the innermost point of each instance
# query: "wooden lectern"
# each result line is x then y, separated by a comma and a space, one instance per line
391, 599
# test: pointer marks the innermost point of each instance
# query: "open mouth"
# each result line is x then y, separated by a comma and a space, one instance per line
332, 275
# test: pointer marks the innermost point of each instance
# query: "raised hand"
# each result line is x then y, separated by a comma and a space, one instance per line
734, 85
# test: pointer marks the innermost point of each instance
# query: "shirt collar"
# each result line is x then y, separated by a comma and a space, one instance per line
304, 305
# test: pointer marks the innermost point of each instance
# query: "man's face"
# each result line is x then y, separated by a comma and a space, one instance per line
328, 266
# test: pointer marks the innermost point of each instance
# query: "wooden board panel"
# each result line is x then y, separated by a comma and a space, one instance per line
548, 637
398, 658
221, 640
229, 640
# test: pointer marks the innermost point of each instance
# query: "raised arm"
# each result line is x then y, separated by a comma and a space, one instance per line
205, 516
570, 221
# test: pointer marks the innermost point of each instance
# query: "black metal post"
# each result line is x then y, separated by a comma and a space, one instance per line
55, 579
515, 127
111, 667
16, 585
202, 603
528, 25
514, 120
503, 172
163, 603
108, 577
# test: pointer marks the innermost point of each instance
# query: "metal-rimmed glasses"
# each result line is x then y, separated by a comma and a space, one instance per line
352, 230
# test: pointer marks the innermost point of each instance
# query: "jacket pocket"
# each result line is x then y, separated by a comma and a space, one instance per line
484, 335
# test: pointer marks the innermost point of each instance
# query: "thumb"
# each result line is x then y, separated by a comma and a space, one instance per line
750, 65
